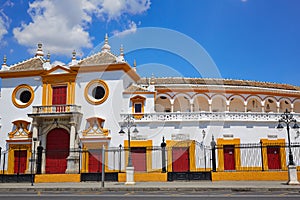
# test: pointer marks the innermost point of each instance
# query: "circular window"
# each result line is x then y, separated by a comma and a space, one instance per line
96, 92
22, 96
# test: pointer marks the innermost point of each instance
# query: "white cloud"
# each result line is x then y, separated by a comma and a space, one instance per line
3, 28
59, 25
132, 27
63, 25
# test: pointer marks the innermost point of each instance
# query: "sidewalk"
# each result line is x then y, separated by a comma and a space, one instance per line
153, 186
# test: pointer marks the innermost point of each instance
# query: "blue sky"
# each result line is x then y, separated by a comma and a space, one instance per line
245, 39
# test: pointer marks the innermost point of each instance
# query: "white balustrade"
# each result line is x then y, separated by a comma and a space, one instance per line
211, 116
55, 109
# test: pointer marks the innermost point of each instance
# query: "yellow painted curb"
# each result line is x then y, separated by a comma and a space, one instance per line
145, 177
251, 176
56, 178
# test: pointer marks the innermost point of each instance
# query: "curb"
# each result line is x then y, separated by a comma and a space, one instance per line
147, 189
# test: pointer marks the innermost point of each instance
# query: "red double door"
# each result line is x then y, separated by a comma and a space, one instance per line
20, 161
95, 160
273, 154
180, 159
57, 151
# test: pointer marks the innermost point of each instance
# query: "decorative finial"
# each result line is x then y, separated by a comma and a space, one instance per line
48, 57
39, 51
74, 55
4, 60
4, 65
106, 47
152, 81
134, 65
121, 50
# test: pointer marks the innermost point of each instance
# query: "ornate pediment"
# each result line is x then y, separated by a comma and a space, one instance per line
20, 130
95, 128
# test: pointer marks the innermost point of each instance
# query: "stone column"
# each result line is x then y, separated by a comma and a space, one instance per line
292, 108
172, 105
263, 106
245, 106
191, 105
210, 105
227, 106
72, 160
278, 106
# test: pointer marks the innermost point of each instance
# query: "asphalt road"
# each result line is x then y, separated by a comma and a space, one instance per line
218, 195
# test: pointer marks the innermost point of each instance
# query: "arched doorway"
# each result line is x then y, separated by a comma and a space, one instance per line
57, 151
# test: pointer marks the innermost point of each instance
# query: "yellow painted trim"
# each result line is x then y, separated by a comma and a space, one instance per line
73, 93
98, 82
11, 156
279, 142
49, 95
145, 177
44, 95
237, 155
56, 178
188, 143
69, 101
14, 97
141, 143
85, 156
251, 176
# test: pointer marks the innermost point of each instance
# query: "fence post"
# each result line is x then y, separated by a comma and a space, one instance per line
39, 159
120, 158
213, 154
103, 167
163, 155
0, 160
79, 154
4, 155
262, 156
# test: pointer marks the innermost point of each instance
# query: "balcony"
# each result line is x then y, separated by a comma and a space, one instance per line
210, 116
55, 110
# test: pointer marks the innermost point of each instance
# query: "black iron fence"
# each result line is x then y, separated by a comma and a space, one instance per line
196, 158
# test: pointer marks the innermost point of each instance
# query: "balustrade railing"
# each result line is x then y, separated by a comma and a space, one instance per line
55, 109
211, 116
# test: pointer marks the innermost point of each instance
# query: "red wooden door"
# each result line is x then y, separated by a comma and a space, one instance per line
20, 161
273, 154
57, 151
95, 160
180, 159
59, 97
229, 160
138, 155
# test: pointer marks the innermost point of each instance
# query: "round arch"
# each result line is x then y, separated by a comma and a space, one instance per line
270, 104
236, 103
296, 105
254, 103
182, 102
200, 102
284, 104
163, 103
218, 103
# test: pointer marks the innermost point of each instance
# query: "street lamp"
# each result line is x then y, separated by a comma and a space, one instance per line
288, 119
128, 123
